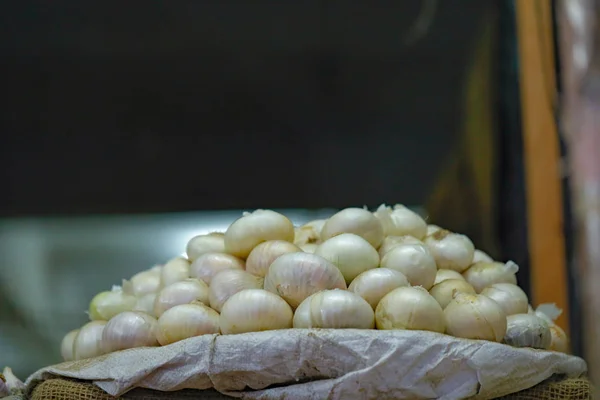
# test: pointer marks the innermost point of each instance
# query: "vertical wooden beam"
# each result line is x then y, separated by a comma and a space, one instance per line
542, 155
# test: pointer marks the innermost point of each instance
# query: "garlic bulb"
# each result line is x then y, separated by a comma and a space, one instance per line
414, 261
559, 341
445, 291
309, 247
88, 342
145, 303
264, 254
373, 284
484, 274
128, 330
254, 228
389, 242
66, 346
185, 321
201, 244
350, 253
450, 250
480, 256
334, 309
526, 330
175, 270
255, 310
309, 232
431, 229
183, 292
401, 221
10, 384
106, 305
444, 274
227, 283
146, 282
409, 308
511, 298
354, 220
209, 264
295, 276
475, 317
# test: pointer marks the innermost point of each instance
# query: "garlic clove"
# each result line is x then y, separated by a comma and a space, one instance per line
450, 250
511, 298
227, 283
389, 242
295, 276
309, 233
254, 228
106, 305
527, 330
444, 274
480, 256
482, 274
185, 321
401, 221
414, 261
357, 221
183, 292
263, 255
409, 308
128, 330
208, 265
351, 253
471, 316
145, 282
88, 342
334, 309
549, 312
372, 285
202, 244
445, 291
255, 310
66, 346
431, 229
145, 303
175, 270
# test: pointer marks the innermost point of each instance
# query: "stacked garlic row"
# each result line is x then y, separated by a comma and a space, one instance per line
358, 269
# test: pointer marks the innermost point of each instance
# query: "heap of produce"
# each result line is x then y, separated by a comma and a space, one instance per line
358, 269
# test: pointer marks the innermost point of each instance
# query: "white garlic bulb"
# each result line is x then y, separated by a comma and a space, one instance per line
471, 316
145, 303
445, 274
354, 220
146, 282
128, 330
484, 274
527, 330
350, 253
445, 291
549, 312
372, 285
106, 305
263, 255
66, 345
409, 308
185, 321
88, 342
450, 250
295, 276
254, 228
511, 298
209, 264
334, 309
309, 247
480, 256
389, 242
227, 283
175, 270
183, 292
401, 221
431, 229
255, 310
201, 244
414, 261
309, 232
11, 385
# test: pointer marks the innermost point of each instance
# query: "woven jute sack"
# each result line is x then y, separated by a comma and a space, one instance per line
318, 364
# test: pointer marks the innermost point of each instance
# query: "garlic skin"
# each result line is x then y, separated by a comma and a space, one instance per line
175, 270
66, 346
106, 305
88, 342
372, 285
401, 221
255, 310
128, 330
471, 316
527, 330
431, 229
251, 229
146, 282
445, 274
357, 221
409, 308
445, 291
351, 253
209, 264
202, 244
450, 250
414, 261
549, 312
482, 274
145, 303
295, 276
227, 283
389, 242
185, 321
263, 255
309, 232
334, 309
511, 298
480, 256
309, 247
183, 292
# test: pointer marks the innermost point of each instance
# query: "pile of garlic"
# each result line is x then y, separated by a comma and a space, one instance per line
358, 269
